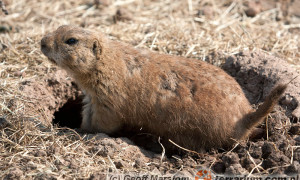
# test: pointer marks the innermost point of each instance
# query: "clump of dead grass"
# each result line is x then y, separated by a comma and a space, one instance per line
171, 27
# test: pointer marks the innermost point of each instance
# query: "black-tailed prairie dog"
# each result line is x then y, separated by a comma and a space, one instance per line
191, 102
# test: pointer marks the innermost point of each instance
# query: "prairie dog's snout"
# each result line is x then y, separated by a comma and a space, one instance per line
47, 48
45, 44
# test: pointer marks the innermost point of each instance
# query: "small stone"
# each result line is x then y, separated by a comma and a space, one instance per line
14, 173
121, 164
100, 3
4, 29
40, 153
219, 168
235, 169
256, 152
2, 47
267, 149
118, 164
293, 168
296, 113
253, 8
230, 158
122, 14
20, 74
297, 139
295, 129
273, 160
138, 163
3, 122
205, 11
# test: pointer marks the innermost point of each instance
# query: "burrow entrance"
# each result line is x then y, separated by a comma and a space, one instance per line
69, 115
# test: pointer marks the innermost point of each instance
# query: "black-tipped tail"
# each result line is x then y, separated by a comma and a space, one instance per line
272, 99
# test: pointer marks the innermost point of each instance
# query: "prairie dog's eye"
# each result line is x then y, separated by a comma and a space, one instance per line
71, 41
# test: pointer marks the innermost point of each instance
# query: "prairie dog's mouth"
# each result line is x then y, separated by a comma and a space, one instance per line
45, 51
52, 61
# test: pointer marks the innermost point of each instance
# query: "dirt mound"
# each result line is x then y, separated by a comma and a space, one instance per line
272, 150
47, 95
258, 73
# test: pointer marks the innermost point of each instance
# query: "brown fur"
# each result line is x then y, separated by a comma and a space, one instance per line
191, 102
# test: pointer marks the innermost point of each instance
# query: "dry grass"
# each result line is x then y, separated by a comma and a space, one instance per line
165, 26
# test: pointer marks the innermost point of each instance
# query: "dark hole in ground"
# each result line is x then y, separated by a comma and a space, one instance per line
69, 115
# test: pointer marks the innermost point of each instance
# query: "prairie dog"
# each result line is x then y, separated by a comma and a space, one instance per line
191, 102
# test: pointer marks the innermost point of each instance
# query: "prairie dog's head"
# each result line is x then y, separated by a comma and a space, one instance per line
72, 48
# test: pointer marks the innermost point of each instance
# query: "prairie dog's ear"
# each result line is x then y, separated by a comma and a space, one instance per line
97, 49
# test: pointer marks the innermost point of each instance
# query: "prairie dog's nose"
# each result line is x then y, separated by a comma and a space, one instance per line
44, 43
47, 43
